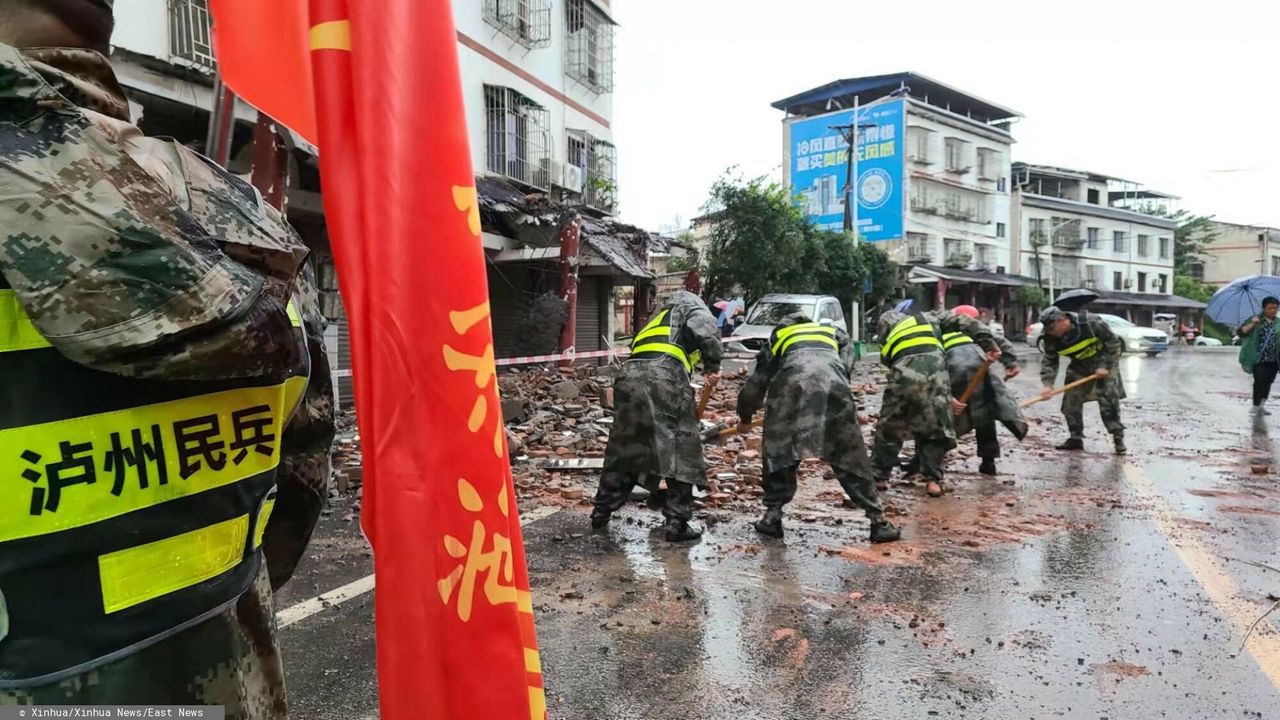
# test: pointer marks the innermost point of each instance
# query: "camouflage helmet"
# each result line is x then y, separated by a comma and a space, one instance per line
1050, 315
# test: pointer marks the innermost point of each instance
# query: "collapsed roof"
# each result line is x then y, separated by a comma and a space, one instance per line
533, 220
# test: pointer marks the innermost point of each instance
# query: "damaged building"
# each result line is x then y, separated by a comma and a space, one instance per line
542, 253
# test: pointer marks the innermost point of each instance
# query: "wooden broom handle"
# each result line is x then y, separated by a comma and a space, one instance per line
1064, 388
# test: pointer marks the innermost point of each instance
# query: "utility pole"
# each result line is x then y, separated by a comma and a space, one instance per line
222, 121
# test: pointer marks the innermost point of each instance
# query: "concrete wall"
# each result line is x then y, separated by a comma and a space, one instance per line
1071, 267
928, 130
1239, 251
537, 73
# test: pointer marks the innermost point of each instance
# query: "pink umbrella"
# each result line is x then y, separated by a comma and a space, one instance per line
722, 304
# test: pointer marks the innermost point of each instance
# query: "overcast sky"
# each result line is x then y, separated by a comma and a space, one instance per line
1182, 98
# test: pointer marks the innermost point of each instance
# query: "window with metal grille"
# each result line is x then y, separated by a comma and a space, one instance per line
528, 22
189, 35
598, 160
1197, 271
1144, 245
589, 50
517, 136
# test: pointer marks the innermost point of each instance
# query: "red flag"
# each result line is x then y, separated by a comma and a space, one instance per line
454, 613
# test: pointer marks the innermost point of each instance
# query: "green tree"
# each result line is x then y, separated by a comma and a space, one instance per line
1192, 236
1188, 288
765, 244
759, 240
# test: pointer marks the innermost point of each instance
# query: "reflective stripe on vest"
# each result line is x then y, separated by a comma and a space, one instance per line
150, 497
911, 336
655, 340
955, 340
804, 335
1085, 348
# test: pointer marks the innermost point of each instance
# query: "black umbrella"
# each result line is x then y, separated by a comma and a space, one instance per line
1073, 300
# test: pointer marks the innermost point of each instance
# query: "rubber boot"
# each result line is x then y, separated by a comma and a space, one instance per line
987, 467
1120, 446
600, 520
1074, 443
882, 484
934, 488
681, 531
657, 499
771, 523
884, 531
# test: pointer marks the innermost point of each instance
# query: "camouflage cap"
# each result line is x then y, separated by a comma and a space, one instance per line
1051, 314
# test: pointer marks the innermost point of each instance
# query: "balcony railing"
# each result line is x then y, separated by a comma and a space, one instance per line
959, 259
190, 38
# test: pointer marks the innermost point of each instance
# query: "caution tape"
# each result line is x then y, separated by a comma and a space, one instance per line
569, 355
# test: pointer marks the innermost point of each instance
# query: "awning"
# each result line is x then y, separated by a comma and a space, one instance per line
925, 274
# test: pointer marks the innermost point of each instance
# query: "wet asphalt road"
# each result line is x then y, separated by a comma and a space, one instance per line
1072, 586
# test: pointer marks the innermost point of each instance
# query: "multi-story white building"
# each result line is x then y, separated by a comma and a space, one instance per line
1075, 229
1237, 251
537, 77
1070, 234
951, 163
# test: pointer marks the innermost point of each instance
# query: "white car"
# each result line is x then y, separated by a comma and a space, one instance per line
1203, 341
768, 311
1133, 338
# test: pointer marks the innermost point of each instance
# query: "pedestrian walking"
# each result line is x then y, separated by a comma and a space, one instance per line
165, 395
917, 402
1092, 348
655, 435
802, 379
1260, 352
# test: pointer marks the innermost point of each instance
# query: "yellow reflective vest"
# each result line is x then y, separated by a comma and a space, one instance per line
801, 336
912, 335
655, 341
133, 509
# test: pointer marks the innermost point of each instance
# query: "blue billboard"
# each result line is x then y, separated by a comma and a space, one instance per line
819, 169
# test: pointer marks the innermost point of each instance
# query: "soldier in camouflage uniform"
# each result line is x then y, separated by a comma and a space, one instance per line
991, 402
917, 401
1091, 346
810, 413
655, 433
132, 267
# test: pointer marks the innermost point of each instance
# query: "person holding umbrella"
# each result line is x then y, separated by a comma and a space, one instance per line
1249, 304
1260, 352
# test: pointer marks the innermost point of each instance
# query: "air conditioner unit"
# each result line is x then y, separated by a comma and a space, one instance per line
574, 178
1128, 283
555, 169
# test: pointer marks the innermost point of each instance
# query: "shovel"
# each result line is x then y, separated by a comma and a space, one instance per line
724, 430
1072, 386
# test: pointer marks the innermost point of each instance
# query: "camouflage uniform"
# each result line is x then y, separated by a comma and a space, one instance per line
990, 402
1108, 392
137, 257
810, 413
655, 433
917, 397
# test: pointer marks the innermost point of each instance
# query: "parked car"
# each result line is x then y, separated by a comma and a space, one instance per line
769, 310
1133, 338
1203, 341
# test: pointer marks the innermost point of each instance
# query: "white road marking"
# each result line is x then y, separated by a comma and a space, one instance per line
333, 598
